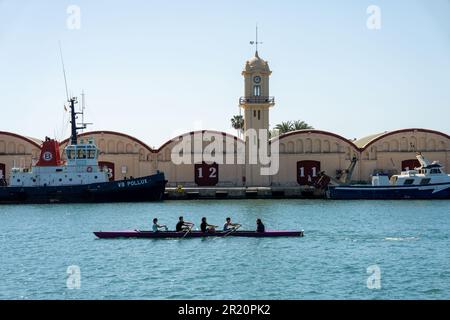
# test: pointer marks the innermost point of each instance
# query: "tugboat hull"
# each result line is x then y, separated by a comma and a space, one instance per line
149, 188
435, 191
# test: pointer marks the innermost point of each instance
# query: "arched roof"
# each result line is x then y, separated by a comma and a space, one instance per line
306, 131
120, 134
198, 131
29, 140
365, 142
38, 141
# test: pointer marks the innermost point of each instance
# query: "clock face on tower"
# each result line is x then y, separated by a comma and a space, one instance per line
257, 79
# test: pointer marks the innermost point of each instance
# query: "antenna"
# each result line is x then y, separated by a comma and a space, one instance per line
83, 106
83, 124
64, 70
73, 113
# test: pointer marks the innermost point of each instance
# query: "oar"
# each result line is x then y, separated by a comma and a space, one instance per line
189, 230
232, 230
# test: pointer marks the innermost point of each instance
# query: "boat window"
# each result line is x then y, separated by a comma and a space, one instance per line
425, 181
435, 171
409, 181
91, 154
72, 154
81, 154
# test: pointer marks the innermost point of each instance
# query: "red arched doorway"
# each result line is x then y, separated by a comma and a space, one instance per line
206, 174
110, 166
307, 172
410, 164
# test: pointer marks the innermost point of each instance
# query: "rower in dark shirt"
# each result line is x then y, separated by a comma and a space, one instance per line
206, 227
183, 225
260, 226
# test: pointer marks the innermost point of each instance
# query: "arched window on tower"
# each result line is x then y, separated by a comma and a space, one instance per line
257, 90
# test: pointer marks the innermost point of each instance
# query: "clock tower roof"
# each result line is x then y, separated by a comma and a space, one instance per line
256, 64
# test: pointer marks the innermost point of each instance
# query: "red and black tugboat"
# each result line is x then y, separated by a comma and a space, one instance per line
78, 179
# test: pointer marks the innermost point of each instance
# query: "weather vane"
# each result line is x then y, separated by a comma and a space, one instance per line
256, 40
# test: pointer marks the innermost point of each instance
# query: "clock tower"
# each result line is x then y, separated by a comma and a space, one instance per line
256, 100
256, 103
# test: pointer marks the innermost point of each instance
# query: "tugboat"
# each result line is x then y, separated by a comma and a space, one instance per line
79, 179
428, 181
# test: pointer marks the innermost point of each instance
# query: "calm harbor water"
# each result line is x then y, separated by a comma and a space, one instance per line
407, 240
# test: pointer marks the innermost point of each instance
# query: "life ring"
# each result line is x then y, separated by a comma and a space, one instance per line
89, 169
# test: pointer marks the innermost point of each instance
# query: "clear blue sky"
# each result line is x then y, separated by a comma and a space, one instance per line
156, 68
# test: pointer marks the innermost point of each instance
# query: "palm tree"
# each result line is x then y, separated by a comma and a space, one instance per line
284, 127
288, 126
237, 122
301, 125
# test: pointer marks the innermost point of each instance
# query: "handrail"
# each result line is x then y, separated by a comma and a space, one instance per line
244, 100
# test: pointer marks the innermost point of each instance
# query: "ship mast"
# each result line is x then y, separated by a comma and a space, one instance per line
73, 121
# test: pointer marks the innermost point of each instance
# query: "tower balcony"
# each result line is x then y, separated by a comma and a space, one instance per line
257, 100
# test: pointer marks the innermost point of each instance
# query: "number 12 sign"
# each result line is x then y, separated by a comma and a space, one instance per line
206, 174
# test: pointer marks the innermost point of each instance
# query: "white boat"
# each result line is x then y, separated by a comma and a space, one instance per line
429, 181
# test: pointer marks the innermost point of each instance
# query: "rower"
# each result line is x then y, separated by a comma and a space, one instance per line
260, 226
206, 227
156, 227
229, 225
183, 225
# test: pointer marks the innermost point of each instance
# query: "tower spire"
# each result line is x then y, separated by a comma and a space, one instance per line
256, 42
